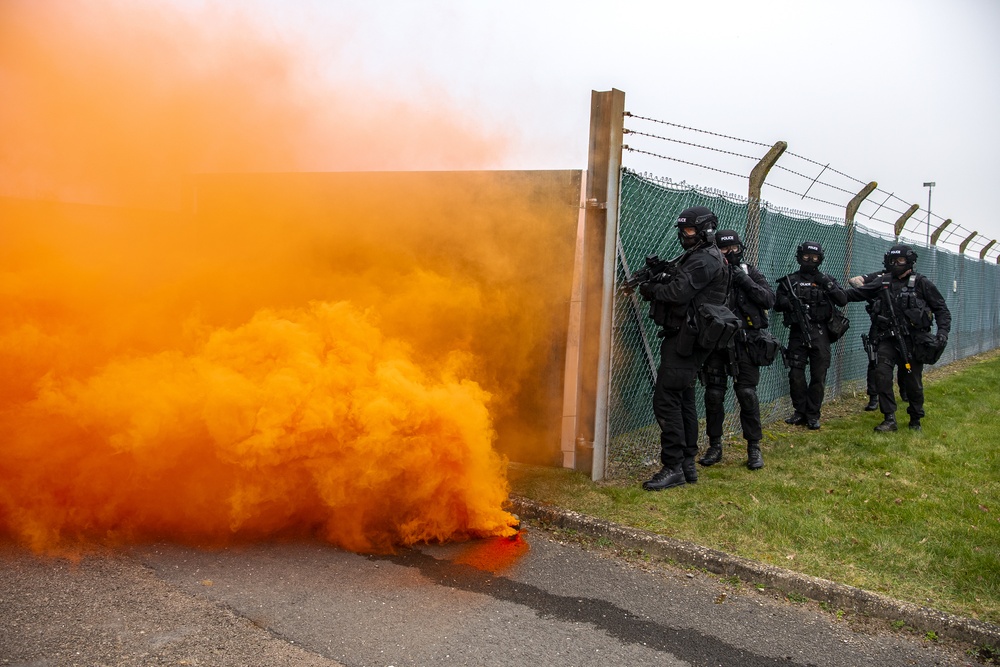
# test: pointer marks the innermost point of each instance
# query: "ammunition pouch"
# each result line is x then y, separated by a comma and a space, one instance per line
919, 319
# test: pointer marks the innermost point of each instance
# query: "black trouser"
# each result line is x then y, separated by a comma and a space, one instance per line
912, 382
873, 383
745, 388
807, 398
674, 403
874, 338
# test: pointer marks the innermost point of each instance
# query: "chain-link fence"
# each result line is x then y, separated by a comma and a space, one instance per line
648, 209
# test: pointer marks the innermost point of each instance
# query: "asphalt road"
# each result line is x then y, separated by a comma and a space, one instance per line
532, 601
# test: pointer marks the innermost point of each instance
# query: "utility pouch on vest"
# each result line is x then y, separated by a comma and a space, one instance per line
918, 318
838, 325
761, 347
926, 348
716, 325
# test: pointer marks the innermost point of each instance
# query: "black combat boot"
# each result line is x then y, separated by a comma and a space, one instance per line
666, 478
888, 424
797, 419
713, 454
690, 470
813, 424
872, 404
914, 423
755, 461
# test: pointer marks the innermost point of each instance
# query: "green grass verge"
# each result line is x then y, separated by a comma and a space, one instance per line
912, 515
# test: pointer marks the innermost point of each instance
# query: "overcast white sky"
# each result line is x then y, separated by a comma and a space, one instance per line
896, 91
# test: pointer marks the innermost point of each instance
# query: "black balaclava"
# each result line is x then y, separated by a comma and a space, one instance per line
726, 238
889, 260
809, 248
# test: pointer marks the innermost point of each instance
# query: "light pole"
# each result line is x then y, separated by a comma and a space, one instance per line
930, 187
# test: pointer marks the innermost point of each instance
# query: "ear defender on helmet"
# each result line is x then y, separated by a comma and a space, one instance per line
702, 221
731, 246
899, 259
809, 255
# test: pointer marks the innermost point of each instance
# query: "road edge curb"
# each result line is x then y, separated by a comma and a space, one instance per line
837, 595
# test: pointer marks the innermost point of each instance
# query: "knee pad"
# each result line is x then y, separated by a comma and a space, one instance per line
714, 396
747, 397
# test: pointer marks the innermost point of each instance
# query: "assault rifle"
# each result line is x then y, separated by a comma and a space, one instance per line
800, 313
894, 327
656, 271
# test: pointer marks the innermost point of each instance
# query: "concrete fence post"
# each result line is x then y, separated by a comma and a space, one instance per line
937, 232
965, 243
607, 110
901, 222
751, 238
851, 211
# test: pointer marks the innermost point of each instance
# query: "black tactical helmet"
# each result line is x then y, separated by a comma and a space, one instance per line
809, 248
891, 256
702, 220
727, 237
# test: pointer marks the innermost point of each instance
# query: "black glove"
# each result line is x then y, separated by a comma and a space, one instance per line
742, 279
647, 290
942, 339
825, 281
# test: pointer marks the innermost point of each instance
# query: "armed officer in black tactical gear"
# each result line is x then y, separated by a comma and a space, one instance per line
905, 306
807, 298
871, 349
701, 277
750, 297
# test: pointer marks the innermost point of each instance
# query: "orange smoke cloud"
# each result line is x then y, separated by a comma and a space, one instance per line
248, 357
295, 421
117, 101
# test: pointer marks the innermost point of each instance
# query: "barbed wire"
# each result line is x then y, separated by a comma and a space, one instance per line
748, 141
684, 127
819, 164
674, 159
725, 152
792, 171
948, 235
822, 201
688, 143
